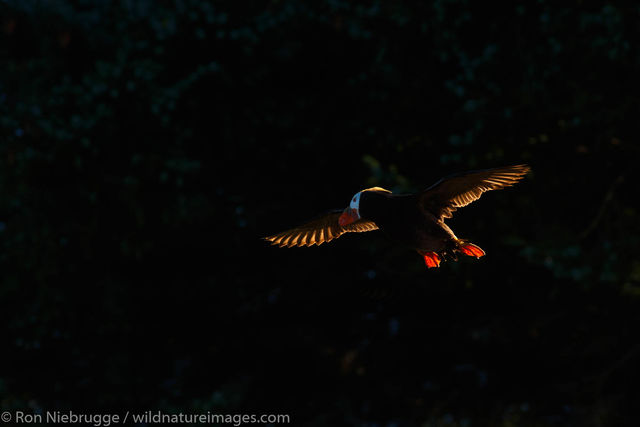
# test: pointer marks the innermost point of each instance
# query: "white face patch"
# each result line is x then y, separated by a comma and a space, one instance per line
355, 204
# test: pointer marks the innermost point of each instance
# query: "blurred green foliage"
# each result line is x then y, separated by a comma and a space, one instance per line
146, 146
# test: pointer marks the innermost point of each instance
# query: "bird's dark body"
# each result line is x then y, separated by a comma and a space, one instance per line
403, 219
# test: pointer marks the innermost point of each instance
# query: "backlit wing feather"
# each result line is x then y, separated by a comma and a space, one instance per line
318, 231
457, 191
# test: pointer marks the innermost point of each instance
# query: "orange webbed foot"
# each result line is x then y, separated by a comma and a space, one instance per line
431, 259
469, 249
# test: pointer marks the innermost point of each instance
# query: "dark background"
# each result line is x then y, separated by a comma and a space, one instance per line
145, 147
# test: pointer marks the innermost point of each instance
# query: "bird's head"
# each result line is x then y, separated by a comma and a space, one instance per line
352, 213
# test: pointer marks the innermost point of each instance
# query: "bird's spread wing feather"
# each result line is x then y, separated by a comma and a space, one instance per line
456, 191
318, 231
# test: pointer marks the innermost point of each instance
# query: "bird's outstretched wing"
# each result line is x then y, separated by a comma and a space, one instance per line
318, 231
456, 191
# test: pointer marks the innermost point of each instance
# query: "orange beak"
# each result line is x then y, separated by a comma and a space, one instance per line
348, 216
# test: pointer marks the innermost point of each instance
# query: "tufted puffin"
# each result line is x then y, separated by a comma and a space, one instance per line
412, 220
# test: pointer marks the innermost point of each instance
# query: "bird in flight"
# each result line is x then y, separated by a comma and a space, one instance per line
412, 220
